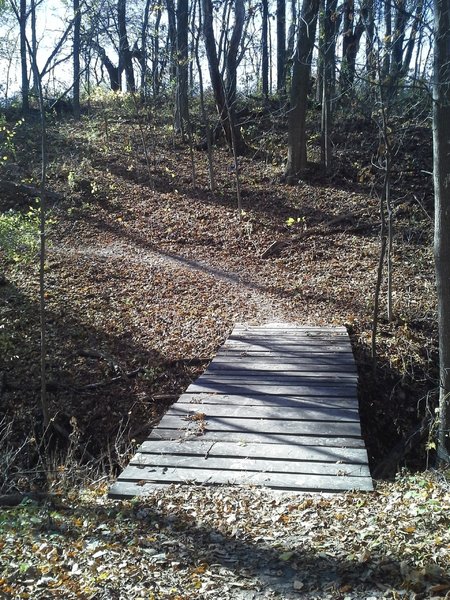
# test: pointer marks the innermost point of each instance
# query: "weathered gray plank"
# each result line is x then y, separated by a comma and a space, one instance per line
246, 364
285, 355
232, 463
199, 447
276, 480
286, 348
265, 412
262, 388
287, 327
288, 337
269, 400
278, 377
270, 426
245, 437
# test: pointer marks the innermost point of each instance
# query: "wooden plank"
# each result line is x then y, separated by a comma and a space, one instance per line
247, 365
287, 378
286, 348
270, 400
269, 426
289, 337
200, 447
286, 355
231, 463
262, 388
265, 412
245, 437
288, 327
287, 481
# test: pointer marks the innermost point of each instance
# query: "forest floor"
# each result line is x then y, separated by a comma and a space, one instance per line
146, 276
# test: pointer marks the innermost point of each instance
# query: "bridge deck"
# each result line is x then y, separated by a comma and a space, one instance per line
277, 407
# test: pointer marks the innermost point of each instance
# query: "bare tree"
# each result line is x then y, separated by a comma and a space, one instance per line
224, 101
281, 46
182, 67
441, 136
125, 55
301, 72
265, 49
76, 58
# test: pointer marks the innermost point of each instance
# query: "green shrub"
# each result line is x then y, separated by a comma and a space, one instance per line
19, 234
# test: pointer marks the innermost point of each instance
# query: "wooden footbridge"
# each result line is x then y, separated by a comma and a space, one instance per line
277, 407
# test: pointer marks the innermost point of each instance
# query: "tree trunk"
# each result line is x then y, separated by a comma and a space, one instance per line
401, 19
172, 38
291, 41
388, 37
156, 70
143, 55
297, 158
281, 46
23, 57
76, 58
42, 221
182, 67
125, 58
265, 49
203, 112
231, 56
329, 70
232, 133
441, 136
114, 72
412, 38
370, 38
350, 43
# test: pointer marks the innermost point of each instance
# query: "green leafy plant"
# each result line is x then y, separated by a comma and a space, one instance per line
19, 234
298, 221
7, 135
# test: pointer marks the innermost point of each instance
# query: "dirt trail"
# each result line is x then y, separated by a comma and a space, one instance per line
240, 287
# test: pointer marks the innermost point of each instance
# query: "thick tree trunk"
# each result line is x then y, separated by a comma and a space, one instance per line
125, 57
297, 158
441, 136
76, 58
114, 72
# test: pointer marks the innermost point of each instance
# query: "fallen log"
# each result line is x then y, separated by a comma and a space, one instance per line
10, 187
322, 230
11, 500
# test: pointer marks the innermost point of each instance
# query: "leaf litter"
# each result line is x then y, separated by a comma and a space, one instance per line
188, 541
